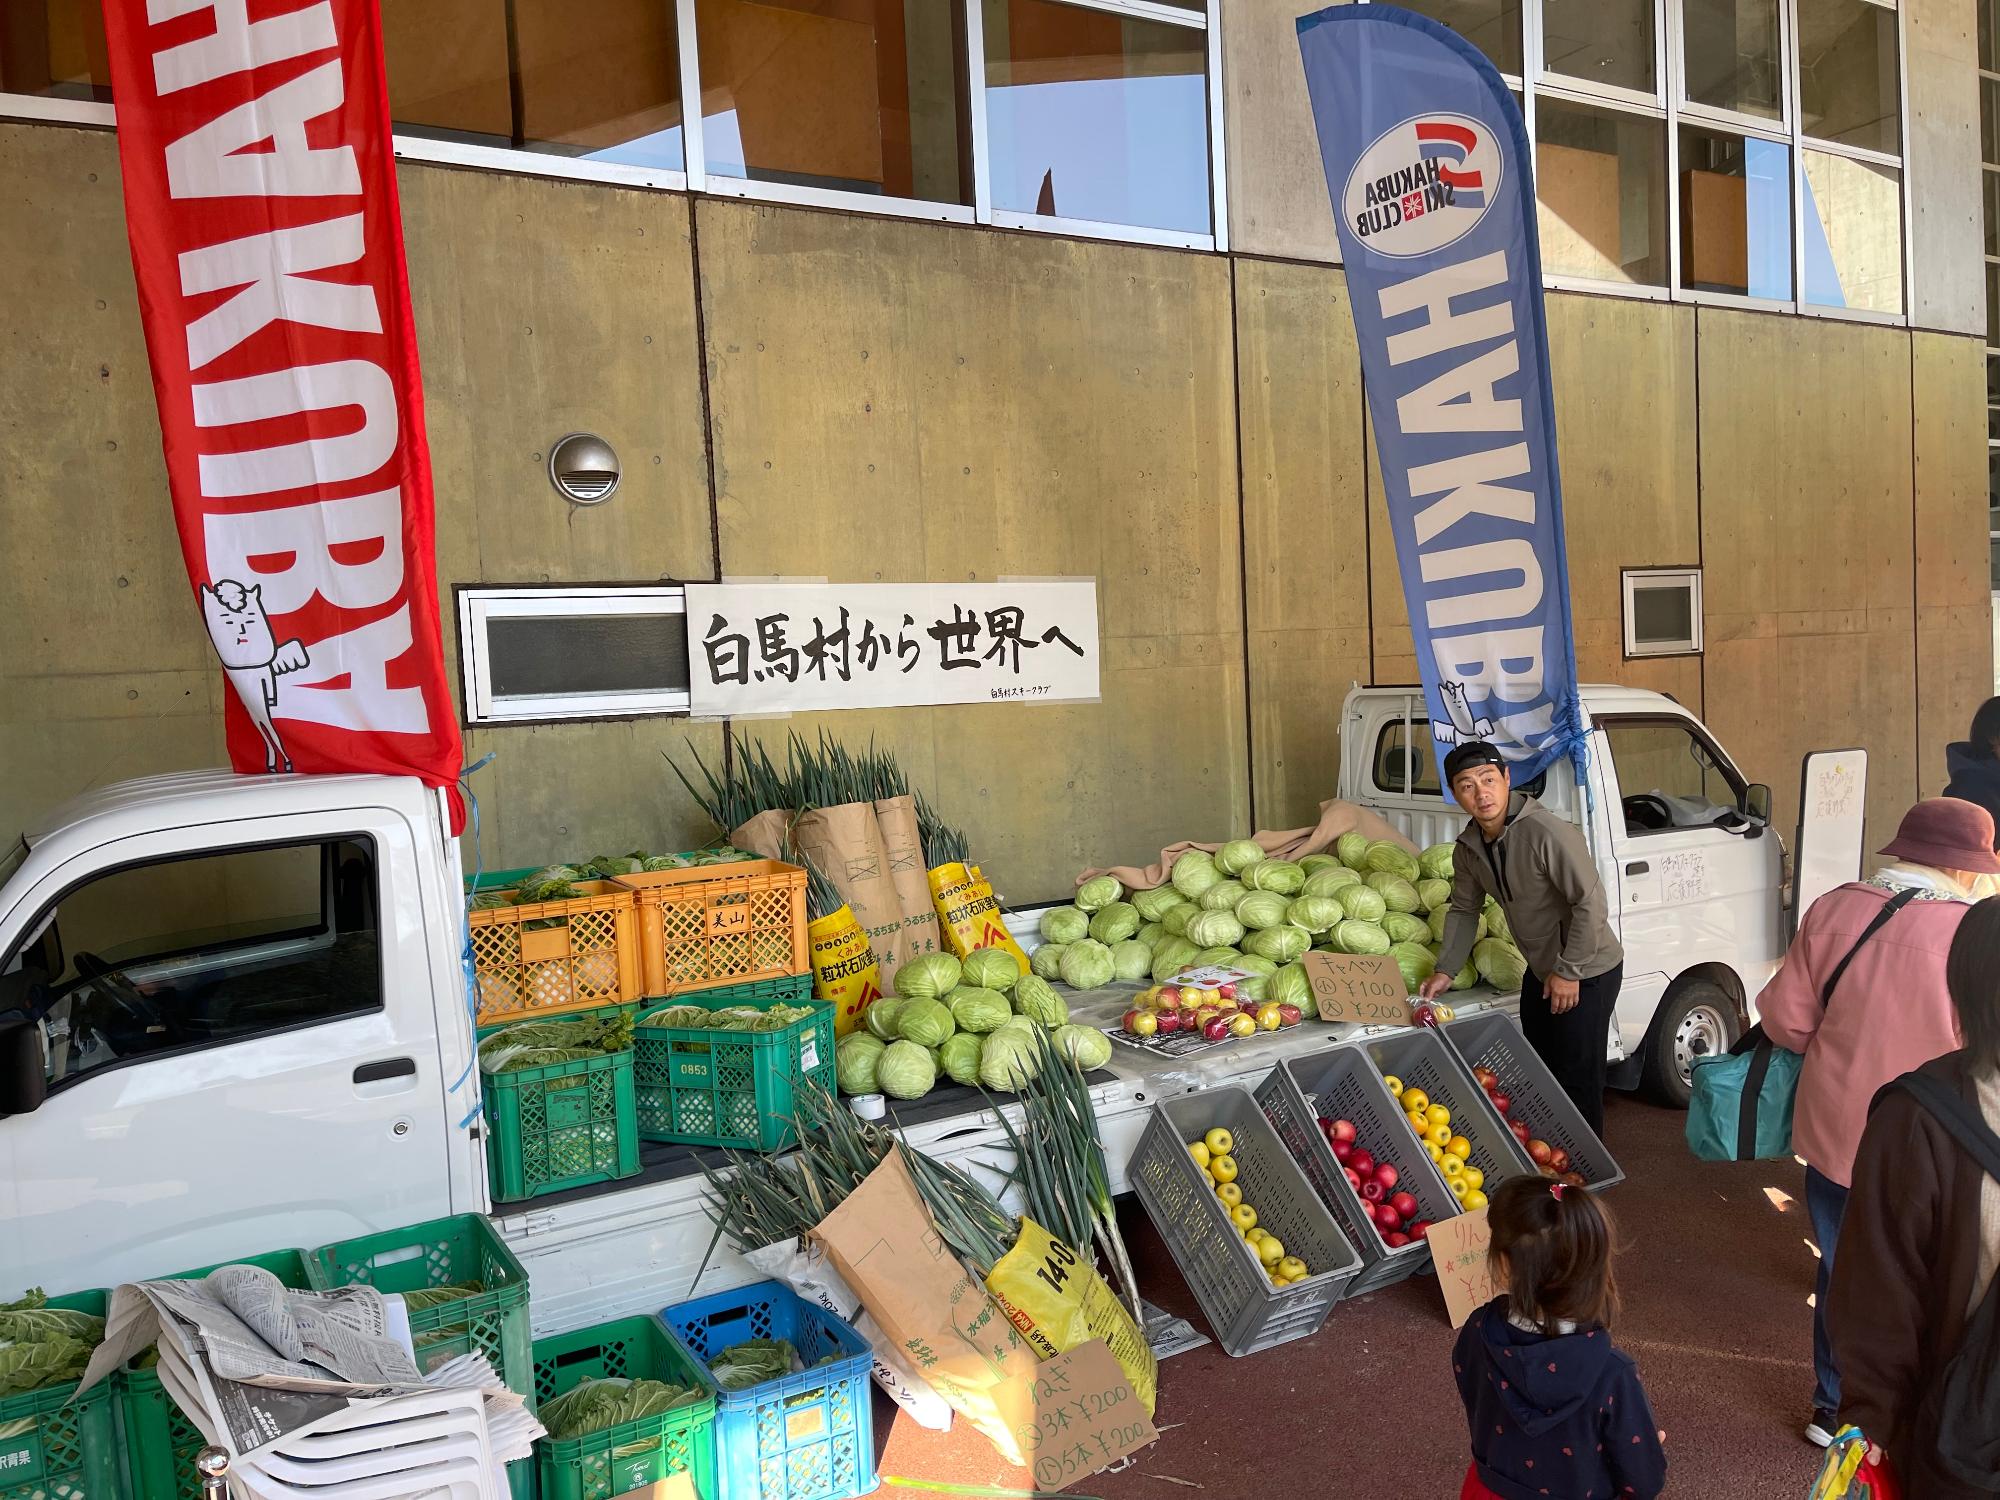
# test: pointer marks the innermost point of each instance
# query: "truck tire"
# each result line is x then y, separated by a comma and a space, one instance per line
1697, 1020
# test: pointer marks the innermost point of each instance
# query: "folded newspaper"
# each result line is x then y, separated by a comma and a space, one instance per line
258, 1367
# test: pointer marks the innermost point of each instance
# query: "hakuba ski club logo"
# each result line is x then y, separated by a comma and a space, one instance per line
1423, 184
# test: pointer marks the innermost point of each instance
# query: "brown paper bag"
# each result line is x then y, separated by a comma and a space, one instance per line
882, 1242
1335, 818
846, 843
897, 818
763, 835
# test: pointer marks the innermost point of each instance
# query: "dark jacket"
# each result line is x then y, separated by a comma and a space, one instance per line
1563, 1417
1974, 778
1909, 1252
1540, 872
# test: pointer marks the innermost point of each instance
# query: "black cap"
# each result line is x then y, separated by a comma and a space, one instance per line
1468, 755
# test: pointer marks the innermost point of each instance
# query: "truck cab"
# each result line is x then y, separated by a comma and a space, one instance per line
1693, 872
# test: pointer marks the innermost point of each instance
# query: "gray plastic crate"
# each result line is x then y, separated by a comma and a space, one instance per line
1422, 1059
1342, 1084
1245, 1312
1493, 1040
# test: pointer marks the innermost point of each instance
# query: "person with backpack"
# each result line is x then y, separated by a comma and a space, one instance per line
1862, 996
1915, 1307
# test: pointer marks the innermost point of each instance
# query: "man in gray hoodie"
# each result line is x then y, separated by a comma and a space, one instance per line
1539, 870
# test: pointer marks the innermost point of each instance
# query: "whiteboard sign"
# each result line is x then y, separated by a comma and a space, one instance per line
1833, 804
773, 648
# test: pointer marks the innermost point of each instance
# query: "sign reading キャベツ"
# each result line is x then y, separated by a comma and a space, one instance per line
774, 648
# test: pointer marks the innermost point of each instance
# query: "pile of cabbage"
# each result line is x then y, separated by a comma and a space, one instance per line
563, 882
970, 1022
727, 1018
1240, 908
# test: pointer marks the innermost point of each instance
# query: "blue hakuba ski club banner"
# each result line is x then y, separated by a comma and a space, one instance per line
1427, 164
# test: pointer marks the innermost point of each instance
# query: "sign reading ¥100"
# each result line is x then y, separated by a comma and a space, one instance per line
772, 648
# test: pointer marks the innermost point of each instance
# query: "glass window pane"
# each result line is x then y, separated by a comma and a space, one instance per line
1601, 178
1989, 28
1493, 26
1853, 223
1600, 41
549, 656
54, 48
1730, 51
1736, 214
1992, 212
1993, 383
1096, 116
1992, 305
1989, 121
857, 95
1847, 73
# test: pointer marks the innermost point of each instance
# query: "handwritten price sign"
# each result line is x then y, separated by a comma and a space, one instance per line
1458, 1246
1359, 988
1085, 1417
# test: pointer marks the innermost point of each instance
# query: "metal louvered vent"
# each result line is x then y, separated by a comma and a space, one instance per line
584, 469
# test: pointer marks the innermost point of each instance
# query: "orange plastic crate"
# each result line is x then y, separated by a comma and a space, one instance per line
557, 956
720, 924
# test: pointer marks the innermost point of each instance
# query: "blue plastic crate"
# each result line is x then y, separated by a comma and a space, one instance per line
808, 1436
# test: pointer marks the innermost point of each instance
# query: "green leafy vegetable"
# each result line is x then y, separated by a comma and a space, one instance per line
542, 1044
753, 1362
595, 1405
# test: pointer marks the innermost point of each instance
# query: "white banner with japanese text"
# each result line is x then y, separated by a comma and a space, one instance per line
777, 648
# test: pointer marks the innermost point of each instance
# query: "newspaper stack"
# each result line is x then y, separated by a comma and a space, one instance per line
316, 1395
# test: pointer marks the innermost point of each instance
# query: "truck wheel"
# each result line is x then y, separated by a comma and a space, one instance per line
1698, 1020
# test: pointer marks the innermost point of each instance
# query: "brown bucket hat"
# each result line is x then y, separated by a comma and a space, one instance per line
1946, 833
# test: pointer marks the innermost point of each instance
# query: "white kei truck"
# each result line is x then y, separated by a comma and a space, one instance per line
233, 1016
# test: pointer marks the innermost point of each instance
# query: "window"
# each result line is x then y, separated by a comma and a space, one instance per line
1669, 776
1848, 90
54, 49
1404, 749
1736, 214
572, 653
180, 955
1662, 611
1601, 178
1493, 26
1608, 43
1730, 56
1853, 227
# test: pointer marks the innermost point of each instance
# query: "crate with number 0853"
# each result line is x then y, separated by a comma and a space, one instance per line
720, 924
712, 1086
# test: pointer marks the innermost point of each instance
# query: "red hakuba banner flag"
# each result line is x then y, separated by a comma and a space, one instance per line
260, 195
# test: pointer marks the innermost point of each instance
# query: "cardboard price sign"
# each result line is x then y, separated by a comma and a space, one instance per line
1458, 1246
1086, 1417
1362, 988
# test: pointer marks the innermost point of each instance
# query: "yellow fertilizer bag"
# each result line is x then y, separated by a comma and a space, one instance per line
843, 967
1058, 1301
969, 913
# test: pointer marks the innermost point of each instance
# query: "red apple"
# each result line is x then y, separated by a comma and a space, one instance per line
1387, 1219
1572, 1179
1387, 1175
1353, 1178
1541, 1153
1362, 1162
1520, 1131
1423, 1015
1372, 1190
1167, 1022
1502, 1102
1170, 994
1290, 1015
1226, 991
1343, 1152
1419, 1228
1216, 1029
1559, 1159
1395, 1241
1343, 1130
1405, 1204
1488, 1079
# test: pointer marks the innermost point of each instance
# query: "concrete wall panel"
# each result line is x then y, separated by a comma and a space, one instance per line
1942, 156
1278, 203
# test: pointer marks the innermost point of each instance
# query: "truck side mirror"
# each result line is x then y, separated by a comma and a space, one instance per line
1757, 803
23, 1077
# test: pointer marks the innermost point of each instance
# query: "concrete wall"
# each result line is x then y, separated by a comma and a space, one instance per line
891, 399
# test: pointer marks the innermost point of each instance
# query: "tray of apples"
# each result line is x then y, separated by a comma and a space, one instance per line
1551, 1161
1176, 1020
1393, 1211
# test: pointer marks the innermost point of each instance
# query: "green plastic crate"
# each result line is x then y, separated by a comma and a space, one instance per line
160, 1441
66, 1447
632, 1454
564, 1126
732, 1088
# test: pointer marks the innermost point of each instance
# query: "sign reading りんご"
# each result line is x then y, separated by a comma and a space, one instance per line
786, 647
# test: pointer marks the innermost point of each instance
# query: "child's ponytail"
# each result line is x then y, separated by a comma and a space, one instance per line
1551, 1249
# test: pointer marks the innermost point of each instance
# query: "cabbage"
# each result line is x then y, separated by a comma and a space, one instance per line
1253, 987
1038, 1002
1416, 963
1223, 895
1496, 921
1314, 913
1097, 893
1115, 923
1195, 872
1131, 959
1157, 902
1256, 963
1086, 965
1327, 882
1010, 1058
598, 1405
1435, 862
1215, 929
1499, 963
1085, 1046
977, 1009
1312, 864
1279, 875
1467, 977
854, 1061
1396, 892
1215, 958
991, 969
1046, 961
1261, 909
881, 1017
1290, 986
925, 1022
1284, 944
959, 1057
1238, 855
1403, 927
906, 1070
1361, 937
1431, 894
1064, 924
1177, 917
928, 977
1362, 903
1391, 859
1151, 935
1351, 849
1175, 954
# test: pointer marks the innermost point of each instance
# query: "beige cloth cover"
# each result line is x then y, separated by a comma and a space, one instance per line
1335, 818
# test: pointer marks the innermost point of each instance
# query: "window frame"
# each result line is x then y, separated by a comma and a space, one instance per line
1628, 579
1405, 723
1731, 773
476, 609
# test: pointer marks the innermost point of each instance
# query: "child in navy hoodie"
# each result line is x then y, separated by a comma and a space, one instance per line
1553, 1408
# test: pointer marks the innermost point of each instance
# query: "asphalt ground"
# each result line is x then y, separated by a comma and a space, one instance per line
1715, 1269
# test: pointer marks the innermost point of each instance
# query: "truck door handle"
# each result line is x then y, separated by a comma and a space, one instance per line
388, 1067
1637, 867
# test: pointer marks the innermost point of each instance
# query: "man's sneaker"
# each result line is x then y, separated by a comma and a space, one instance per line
1822, 1427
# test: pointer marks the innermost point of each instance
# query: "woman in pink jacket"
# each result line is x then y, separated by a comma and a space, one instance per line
1890, 1014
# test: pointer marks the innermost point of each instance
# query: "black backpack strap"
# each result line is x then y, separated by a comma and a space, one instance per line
1889, 909
1952, 1110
